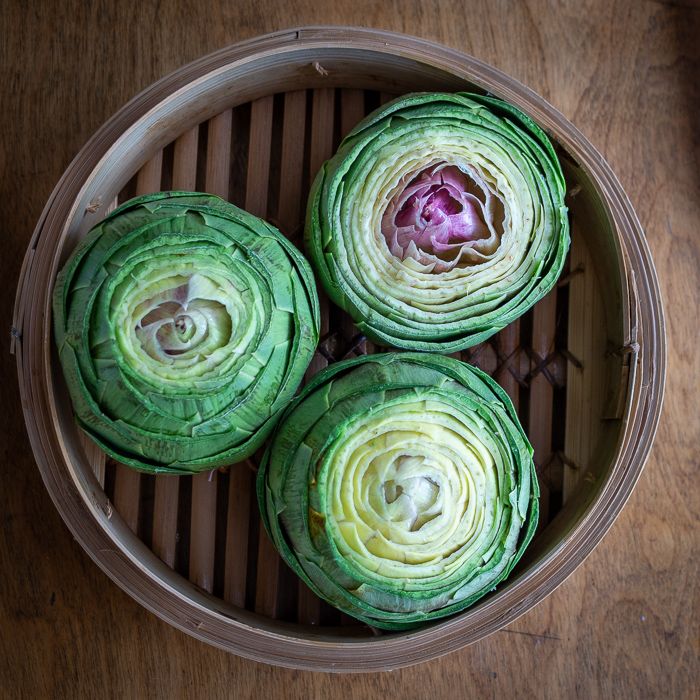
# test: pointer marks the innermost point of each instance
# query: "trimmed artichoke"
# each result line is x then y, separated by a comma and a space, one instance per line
400, 487
184, 326
440, 220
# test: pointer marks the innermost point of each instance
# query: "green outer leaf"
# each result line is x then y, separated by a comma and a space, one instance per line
293, 479
342, 256
184, 427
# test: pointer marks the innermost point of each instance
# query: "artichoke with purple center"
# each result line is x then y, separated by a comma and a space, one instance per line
440, 220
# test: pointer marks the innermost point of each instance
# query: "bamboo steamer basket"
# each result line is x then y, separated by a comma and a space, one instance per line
253, 123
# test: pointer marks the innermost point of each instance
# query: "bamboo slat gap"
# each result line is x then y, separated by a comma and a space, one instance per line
348, 620
185, 161
259, 156
237, 525
127, 482
289, 211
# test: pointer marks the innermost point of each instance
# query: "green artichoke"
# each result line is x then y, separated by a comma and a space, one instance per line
440, 220
400, 487
184, 326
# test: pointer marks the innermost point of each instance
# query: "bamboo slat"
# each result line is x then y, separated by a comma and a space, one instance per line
185, 160
268, 561
167, 488
587, 343
204, 486
322, 114
289, 212
237, 524
259, 156
148, 179
268, 572
127, 482
219, 154
127, 491
203, 530
352, 111
509, 340
95, 456
540, 423
321, 149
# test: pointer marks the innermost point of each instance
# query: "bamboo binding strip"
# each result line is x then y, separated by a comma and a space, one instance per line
252, 123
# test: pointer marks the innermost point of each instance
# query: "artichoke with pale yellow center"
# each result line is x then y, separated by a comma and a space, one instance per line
184, 326
400, 487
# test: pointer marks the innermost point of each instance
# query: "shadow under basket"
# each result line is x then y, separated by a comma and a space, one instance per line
253, 123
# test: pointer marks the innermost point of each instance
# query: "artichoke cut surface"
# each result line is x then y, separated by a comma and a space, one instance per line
400, 487
440, 220
184, 326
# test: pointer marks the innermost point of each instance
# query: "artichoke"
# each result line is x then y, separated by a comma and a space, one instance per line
440, 220
399, 487
184, 326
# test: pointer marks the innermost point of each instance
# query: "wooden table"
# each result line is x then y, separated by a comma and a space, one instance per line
627, 623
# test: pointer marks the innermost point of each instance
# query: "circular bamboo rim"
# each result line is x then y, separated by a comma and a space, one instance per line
295, 59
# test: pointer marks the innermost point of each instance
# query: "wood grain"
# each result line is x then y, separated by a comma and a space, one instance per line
625, 624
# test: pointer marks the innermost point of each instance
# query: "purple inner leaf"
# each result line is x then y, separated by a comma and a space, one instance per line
437, 221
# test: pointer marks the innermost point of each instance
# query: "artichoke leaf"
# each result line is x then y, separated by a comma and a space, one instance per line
184, 325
